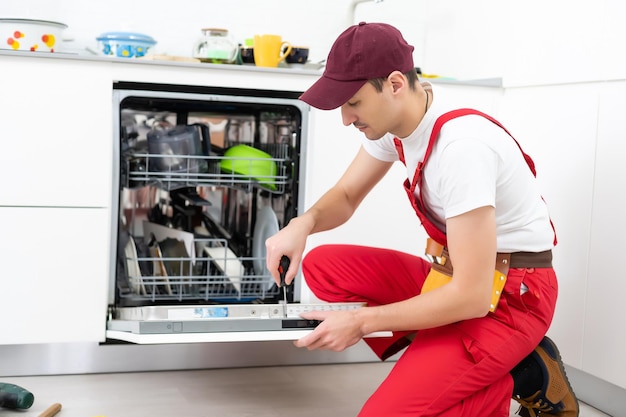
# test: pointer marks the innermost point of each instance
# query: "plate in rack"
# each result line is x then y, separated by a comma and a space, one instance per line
228, 263
266, 226
132, 267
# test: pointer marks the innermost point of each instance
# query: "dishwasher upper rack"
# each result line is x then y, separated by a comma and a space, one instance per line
194, 170
218, 276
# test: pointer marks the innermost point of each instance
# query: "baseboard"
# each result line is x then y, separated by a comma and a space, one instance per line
598, 393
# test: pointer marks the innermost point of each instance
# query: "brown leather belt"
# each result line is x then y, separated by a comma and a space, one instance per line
441, 259
530, 259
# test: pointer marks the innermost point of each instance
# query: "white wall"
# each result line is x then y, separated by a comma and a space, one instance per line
525, 43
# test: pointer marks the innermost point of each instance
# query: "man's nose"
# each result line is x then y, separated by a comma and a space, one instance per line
347, 117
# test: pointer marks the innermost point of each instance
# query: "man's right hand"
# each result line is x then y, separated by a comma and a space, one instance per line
290, 242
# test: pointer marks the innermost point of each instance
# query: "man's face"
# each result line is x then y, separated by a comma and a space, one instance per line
369, 111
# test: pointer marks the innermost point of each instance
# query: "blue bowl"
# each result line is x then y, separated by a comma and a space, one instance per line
125, 44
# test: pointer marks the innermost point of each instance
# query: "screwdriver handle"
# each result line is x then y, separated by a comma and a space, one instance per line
282, 269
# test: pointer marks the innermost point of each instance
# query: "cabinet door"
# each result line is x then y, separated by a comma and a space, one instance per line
557, 127
605, 335
55, 269
56, 133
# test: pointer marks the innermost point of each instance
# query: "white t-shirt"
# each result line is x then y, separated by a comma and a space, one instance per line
473, 164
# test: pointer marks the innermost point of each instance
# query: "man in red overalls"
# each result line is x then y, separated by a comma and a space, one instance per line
473, 320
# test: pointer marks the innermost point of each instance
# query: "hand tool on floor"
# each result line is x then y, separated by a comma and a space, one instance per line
14, 396
51, 411
282, 270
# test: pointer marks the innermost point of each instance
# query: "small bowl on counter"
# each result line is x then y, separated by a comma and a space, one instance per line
247, 54
298, 55
125, 44
31, 35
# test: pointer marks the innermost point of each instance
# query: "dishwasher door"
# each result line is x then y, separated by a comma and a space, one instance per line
217, 323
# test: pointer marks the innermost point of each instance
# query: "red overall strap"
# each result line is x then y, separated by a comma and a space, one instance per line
419, 206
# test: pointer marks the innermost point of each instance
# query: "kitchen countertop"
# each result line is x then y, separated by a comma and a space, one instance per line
309, 70
302, 70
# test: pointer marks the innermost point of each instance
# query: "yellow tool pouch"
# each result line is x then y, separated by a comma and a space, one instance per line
441, 271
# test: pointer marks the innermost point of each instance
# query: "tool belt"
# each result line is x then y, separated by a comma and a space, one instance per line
441, 267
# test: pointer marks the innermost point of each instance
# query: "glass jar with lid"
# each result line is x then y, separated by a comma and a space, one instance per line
216, 46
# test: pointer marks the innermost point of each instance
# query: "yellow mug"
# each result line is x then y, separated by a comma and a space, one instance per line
267, 50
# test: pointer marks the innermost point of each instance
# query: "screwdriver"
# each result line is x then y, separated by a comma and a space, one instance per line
282, 270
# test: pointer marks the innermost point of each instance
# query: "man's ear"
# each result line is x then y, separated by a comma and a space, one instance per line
397, 80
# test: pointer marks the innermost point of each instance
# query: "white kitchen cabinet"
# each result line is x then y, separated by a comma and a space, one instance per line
55, 266
56, 130
556, 126
605, 338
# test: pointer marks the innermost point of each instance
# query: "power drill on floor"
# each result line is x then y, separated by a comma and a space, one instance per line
14, 396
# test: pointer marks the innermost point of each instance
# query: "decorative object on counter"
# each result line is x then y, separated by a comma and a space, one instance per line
125, 44
246, 51
270, 50
249, 162
298, 55
216, 46
247, 55
31, 35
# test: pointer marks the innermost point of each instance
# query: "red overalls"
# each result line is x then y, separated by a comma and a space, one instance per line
457, 370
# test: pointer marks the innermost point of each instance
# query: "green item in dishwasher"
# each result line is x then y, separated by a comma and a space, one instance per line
244, 162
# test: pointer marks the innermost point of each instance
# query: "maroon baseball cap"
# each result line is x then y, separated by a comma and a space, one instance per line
362, 52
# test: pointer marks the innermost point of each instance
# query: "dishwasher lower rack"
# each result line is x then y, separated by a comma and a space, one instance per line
217, 274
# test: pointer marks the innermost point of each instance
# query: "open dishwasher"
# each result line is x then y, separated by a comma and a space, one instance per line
204, 176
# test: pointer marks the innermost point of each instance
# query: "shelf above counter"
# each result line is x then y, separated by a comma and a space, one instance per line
309, 73
495, 82
168, 61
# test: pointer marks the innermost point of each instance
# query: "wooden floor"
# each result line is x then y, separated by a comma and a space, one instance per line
289, 391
